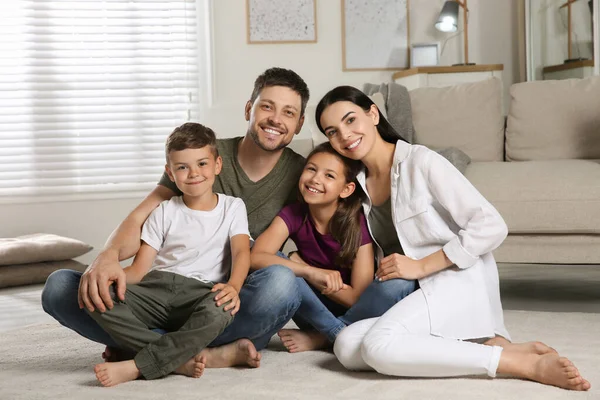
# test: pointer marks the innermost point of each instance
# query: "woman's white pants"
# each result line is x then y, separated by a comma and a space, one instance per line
400, 343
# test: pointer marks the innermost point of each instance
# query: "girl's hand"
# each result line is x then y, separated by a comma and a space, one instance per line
326, 280
227, 294
397, 266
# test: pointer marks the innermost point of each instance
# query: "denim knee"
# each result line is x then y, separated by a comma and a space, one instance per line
282, 287
60, 288
394, 290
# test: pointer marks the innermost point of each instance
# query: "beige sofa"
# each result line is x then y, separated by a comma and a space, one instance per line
542, 172
540, 166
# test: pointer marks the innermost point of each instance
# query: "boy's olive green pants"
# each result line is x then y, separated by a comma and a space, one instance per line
183, 306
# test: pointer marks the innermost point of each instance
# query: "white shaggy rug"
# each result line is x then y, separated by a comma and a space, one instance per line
51, 362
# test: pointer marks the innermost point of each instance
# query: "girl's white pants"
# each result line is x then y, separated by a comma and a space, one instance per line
400, 343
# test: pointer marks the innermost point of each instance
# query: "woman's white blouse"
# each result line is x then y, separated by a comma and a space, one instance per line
435, 207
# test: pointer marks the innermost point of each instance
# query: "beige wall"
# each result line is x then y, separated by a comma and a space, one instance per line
492, 38
236, 65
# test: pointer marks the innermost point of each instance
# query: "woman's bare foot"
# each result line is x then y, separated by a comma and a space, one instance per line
549, 369
194, 368
111, 374
240, 352
527, 347
296, 340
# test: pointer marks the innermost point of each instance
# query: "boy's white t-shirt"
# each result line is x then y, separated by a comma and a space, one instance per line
195, 243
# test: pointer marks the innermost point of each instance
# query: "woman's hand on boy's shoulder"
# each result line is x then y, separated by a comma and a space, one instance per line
227, 294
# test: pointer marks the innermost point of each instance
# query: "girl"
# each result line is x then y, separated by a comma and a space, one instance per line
334, 262
453, 324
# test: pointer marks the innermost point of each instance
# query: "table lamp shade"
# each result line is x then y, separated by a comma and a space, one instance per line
448, 19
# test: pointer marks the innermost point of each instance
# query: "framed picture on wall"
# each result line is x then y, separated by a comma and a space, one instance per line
375, 35
281, 21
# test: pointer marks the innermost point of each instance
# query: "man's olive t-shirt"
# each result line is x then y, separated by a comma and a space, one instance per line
264, 198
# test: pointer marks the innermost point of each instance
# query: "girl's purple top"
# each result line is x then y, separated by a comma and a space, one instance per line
316, 249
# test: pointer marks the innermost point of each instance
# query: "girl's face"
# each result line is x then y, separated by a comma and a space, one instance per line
350, 130
323, 180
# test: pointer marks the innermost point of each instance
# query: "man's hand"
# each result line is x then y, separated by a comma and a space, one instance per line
97, 278
327, 281
396, 266
227, 294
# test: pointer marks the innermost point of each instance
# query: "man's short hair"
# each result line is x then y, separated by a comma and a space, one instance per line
281, 77
191, 135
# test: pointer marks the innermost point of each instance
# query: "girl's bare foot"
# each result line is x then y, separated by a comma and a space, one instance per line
527, 347
549, 369
240, 352
111, 374
194, 368
296, 340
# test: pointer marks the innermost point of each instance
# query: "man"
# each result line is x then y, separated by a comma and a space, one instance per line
258, 168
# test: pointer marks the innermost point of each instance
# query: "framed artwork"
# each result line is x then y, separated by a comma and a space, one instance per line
424, 55
375, 35
281, 21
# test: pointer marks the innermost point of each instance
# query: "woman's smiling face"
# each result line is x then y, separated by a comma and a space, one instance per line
350, 130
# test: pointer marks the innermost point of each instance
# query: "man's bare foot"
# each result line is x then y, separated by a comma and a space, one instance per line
527, 347
109, 354
296, 340
111, 374
549, 369
113, 354
194, 368
240, 352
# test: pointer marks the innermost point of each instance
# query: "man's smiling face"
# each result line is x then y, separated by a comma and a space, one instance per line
274, 117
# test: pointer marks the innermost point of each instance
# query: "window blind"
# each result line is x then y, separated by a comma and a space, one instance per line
89, 91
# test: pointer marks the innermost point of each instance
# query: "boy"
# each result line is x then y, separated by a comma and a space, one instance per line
192, 246
259, 169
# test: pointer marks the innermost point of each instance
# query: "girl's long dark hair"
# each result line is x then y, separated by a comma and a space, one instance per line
353, 95
345, 226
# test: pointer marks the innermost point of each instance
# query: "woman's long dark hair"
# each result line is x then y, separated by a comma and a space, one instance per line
353, 95
345, 225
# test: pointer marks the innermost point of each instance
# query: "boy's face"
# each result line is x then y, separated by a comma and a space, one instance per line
274, 117
194, 170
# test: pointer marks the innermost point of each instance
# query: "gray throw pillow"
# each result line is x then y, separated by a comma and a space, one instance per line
40, 247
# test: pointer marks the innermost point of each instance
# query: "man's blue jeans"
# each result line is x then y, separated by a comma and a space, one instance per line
269, 299
329, 318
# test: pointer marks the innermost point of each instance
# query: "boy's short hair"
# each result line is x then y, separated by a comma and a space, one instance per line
191, 135
281, 77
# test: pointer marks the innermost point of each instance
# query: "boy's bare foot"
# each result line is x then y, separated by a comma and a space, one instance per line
240, 352
296, 340
527, 347
111, 374
549, 369
194, 368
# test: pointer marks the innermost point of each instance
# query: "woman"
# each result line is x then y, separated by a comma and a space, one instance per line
431, 225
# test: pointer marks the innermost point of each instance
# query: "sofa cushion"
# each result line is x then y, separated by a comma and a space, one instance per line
40, 247
467, 116
550, 120
549, 249
557, 197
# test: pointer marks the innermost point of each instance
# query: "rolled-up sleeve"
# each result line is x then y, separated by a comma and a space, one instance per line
482, 229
